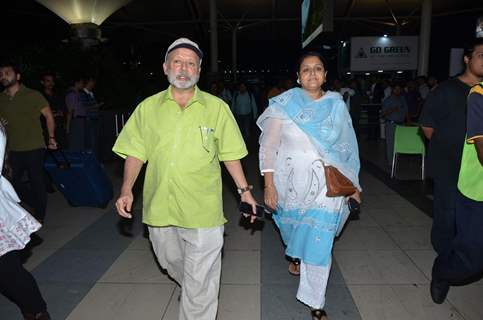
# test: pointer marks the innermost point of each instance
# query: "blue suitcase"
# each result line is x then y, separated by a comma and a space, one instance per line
80, 178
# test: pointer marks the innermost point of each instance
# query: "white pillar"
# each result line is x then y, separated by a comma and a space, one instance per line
213, 38
425, 38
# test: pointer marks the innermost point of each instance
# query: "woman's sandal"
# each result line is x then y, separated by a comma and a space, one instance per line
294, 267
318, 314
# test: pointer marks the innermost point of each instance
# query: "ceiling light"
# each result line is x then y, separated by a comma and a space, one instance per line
84, 16
83, 11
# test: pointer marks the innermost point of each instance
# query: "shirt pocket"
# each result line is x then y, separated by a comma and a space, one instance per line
207, 138
203, 146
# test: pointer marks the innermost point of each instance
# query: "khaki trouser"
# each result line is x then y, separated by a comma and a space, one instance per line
192, 257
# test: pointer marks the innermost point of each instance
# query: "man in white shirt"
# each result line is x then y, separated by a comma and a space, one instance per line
423, 87
345, 92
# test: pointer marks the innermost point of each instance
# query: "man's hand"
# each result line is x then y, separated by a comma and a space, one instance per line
132, 167
52, 145
248, 198
124, 204
235, 169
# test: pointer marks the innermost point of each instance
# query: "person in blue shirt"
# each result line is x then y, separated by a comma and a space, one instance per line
394, 111
244, 108
91, 107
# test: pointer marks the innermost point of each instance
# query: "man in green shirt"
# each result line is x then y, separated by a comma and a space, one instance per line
183, 133
20, 108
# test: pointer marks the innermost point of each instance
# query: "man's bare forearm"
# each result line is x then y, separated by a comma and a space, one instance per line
49, 120
132, 167
51, 126
428, 132
235, 169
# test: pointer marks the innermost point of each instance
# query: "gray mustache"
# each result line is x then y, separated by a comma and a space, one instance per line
182, 74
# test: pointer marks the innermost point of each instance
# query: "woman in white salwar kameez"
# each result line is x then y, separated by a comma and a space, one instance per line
304, 129
16, 226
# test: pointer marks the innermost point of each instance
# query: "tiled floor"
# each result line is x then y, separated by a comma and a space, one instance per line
381, 269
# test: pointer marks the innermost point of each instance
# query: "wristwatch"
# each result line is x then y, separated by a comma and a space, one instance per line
244, 189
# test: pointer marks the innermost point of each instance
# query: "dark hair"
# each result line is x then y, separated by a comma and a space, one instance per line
75, 78
12, 64
311, 54
47, 74
88, 78
468, 51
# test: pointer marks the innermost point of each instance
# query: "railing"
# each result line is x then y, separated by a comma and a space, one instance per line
370, 120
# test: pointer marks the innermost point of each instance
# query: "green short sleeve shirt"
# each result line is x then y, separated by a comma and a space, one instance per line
22, 113
182, 148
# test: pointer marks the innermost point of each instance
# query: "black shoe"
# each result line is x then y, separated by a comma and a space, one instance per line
35, 240
50, 188
439, 291
125, 227
354, 216
318, 314
36, 316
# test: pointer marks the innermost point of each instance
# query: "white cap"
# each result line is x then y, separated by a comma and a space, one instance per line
184, 43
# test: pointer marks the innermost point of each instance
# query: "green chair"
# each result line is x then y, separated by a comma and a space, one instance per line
408, 140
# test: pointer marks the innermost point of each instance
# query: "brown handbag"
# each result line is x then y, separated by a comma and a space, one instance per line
337, 184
